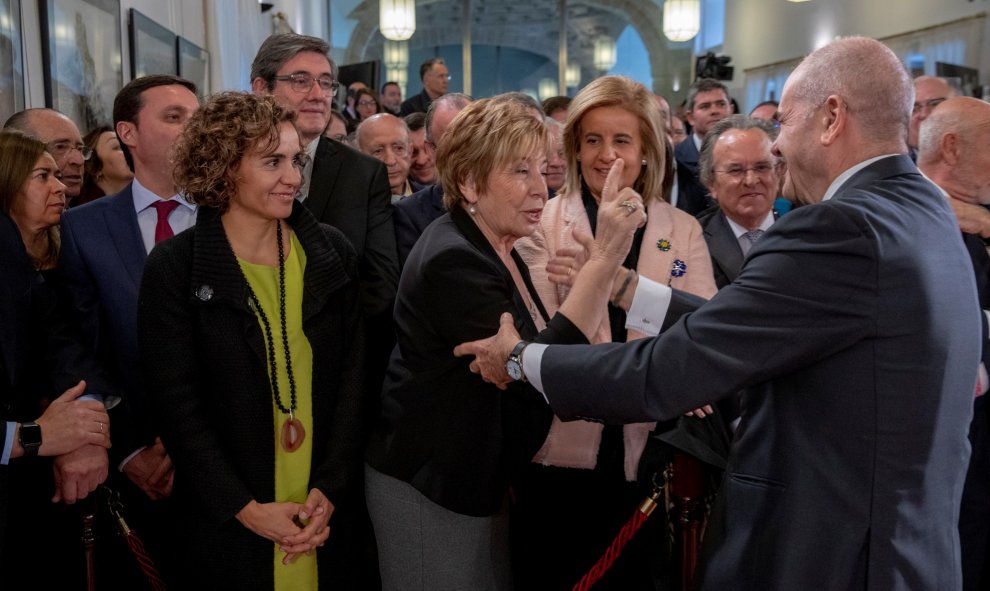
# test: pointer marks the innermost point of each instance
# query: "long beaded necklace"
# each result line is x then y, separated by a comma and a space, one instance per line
293, 433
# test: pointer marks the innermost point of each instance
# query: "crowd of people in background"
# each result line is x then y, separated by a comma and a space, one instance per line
261, 324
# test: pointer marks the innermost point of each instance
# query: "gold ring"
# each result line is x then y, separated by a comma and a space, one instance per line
630, 206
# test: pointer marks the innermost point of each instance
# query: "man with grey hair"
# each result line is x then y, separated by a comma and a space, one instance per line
435, 77
929, 92
341, 186
64, 143
952, 152
385, 137
414, 213
741, 173
854, 329
349, 191
707, 104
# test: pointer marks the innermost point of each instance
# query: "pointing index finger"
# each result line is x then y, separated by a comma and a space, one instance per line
611, 189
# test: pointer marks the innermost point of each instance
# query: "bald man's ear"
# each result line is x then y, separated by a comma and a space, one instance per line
834, 119
259, 86
949, 149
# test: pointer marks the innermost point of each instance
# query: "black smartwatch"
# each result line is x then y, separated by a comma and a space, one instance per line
514, 364
29, 437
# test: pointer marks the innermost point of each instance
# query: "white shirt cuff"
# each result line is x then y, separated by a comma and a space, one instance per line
649, 306
120, 466
532, 358
8, 443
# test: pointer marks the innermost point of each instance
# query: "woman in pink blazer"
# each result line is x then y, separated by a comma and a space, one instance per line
581, 486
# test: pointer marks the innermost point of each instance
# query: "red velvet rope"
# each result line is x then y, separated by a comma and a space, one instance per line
612, 554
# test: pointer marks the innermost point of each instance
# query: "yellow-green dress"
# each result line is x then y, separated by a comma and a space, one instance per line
291, 469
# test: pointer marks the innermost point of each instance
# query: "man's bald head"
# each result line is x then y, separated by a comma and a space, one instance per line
869, 78
441, 112
63, 139
952, 148
929, 92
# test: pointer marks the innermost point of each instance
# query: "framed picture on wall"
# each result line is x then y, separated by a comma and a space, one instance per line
194, 64
81, 49
153, 47
11, 59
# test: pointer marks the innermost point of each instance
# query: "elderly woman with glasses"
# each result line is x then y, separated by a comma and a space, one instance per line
448, 445
611, 118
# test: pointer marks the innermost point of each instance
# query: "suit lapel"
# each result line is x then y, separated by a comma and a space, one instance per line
724, 247
124, 232
326, 171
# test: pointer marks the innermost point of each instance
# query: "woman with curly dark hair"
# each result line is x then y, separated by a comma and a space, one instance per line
247, 326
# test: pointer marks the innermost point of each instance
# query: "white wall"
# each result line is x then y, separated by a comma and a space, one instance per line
763, 32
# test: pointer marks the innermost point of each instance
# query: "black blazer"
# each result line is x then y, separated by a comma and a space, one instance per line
692, 196
418, 103
858, 343
413, 214
349, 191
455, 438
41, 355
205, 361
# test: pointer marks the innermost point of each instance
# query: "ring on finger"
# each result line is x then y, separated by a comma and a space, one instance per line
630, 205
101, 426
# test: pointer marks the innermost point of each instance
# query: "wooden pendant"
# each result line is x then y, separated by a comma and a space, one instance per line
293, 434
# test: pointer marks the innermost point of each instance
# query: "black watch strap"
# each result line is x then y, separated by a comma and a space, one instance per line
29, 436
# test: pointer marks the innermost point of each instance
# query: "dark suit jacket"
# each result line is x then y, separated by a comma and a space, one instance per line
692, 196
350, 191
204, 354
40, 356
727, 256
101, 265
455, 438
858, 342
413, 214
418, 103
974, 515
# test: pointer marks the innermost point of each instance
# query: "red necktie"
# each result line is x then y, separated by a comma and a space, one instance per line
162, 229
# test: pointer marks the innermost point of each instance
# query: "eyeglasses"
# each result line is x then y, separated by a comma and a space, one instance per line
928, 105
442, 76
367, 104
738, 173
60, 149
303, 82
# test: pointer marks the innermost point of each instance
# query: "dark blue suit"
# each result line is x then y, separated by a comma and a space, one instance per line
413, 214
692, 196
102, 262
854, 327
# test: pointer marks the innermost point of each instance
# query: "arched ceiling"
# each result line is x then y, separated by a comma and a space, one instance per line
531, 25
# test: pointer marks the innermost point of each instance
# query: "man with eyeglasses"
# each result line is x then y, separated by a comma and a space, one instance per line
707, 104
854, 327
435, 76
64, 143
929, 92
742, 175
349, 191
